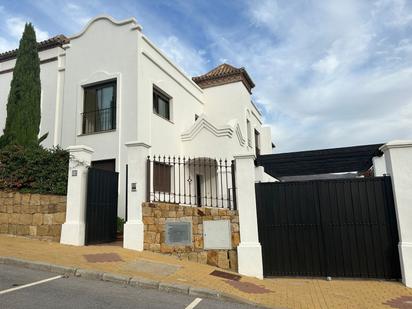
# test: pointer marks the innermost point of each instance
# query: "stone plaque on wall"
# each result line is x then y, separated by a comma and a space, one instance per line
178, 233
217, 234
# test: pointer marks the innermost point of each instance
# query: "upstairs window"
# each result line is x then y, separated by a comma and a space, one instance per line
161, 104
99, 109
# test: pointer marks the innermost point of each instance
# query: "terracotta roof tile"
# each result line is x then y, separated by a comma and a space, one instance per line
57, 40
224, 74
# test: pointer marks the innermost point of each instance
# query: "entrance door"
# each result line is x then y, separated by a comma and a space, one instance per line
101, 207
338, 228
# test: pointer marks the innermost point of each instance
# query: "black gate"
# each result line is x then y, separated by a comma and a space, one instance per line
337, 228
101, 209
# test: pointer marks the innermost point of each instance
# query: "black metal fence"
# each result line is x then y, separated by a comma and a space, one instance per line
202, 182
99, 120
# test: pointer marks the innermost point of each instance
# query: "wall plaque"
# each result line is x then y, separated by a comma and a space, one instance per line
178, 233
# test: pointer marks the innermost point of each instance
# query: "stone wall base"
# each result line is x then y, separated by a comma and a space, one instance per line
32, 215
155, 216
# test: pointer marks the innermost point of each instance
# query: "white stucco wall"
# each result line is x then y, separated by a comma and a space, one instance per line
229, 102
187, 100
107, 49
94, 56
48, 78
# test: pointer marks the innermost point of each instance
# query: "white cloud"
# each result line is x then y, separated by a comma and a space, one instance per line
15, 26
328, 73
12, 30
190, 60
327, 65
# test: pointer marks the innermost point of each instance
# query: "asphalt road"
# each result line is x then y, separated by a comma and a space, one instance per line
16, 292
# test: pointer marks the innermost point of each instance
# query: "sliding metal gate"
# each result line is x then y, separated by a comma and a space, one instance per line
101, 207
338, 228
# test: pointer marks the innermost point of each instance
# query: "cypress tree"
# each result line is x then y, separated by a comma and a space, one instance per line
23, 105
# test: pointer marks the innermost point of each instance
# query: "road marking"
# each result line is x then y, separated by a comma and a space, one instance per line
194, 303
29, 285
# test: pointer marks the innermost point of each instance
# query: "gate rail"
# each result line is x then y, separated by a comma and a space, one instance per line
202, 182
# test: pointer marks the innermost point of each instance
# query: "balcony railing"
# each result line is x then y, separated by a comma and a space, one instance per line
202, 182
99, 120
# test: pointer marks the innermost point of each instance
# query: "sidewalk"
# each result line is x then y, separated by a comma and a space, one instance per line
278, 293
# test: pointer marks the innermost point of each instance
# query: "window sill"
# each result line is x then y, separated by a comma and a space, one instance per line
98, 132
168, 120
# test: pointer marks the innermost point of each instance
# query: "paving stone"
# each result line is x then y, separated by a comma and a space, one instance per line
63, 270
115, 278
173, 287
89, 274
144, 283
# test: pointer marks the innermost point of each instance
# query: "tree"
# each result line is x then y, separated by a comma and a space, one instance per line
23, 105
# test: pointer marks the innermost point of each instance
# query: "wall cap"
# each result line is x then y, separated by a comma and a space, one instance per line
247, 156
396, 144
80, 148
137, 144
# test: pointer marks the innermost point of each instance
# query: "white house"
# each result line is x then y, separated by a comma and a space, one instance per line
109, 85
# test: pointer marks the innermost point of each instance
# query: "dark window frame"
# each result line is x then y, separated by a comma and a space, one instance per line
160, 94
89, 114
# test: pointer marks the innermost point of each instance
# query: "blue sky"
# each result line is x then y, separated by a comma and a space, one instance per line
327, 73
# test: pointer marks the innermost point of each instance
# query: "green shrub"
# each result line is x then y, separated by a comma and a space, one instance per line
120, 224
34, 169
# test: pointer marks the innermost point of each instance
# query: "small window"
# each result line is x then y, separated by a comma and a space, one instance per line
249, 133
161, 104
99, 109
162, 175
257, 142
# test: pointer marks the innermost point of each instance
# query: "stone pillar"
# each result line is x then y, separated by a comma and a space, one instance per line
398, 157
249, 250
379, 166
137, 183
73, 230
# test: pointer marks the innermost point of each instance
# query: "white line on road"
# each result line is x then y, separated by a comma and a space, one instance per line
194, 303
29, 285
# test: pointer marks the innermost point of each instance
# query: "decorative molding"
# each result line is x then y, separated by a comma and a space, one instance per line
223, 131
112, 20
52, 59
137, 144
80, 148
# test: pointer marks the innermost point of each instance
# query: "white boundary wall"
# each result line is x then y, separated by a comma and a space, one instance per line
398, 159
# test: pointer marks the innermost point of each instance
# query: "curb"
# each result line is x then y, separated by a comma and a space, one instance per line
125, 280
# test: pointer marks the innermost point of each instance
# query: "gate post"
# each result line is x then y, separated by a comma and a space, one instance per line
133, 233
398, 157
73, 229
249, 250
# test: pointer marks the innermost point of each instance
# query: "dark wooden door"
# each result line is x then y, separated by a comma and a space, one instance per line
101, 207
338, 228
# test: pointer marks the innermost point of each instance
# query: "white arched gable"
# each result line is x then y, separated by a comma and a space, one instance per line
132, 21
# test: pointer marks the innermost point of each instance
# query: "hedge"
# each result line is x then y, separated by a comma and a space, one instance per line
34, 169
